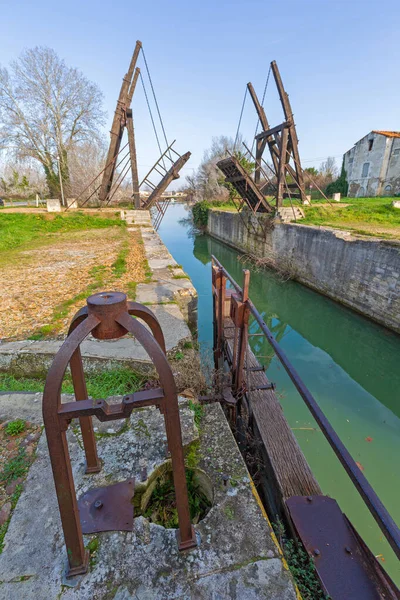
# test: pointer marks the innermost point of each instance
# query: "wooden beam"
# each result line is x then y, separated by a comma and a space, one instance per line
272, 131
132, 152
287, 109
133, 87
117, 128
260, 110
282, 168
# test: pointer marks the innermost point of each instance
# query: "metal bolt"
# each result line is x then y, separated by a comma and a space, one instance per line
348, 550
316, 552
98, 504
309, 498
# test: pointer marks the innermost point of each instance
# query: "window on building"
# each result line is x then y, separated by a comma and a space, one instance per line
370, 144
351, 160
396, 152
365, 170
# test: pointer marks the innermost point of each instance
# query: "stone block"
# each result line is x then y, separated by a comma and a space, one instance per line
396, 203
53, 205
72, 203
336, 197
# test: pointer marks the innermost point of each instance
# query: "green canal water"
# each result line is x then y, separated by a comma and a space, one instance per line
351, 366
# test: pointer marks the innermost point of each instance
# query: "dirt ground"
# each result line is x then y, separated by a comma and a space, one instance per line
37, 281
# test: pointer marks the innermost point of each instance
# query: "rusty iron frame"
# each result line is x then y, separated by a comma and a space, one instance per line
108, 315
220, 276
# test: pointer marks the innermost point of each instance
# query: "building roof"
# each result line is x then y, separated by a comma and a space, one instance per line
391, 134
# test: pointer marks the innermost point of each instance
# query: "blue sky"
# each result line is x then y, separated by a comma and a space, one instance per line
339, 61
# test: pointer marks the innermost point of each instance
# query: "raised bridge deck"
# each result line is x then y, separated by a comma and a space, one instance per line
243, 184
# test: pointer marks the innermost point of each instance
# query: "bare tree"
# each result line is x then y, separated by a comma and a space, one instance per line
85, 162
329, 168
47, 108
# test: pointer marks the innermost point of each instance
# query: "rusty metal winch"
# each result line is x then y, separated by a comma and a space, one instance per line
108, 315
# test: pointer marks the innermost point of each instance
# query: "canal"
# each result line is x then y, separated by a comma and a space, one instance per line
350, 364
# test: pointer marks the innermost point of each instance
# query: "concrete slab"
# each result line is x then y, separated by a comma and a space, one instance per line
236, 558
32, 358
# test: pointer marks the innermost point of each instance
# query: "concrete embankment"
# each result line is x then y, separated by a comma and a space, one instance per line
362, 273
170, 295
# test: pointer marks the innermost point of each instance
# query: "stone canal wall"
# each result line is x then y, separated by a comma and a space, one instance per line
362, 273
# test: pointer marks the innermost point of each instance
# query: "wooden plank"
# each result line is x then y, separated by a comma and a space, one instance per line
290, 470
169, 176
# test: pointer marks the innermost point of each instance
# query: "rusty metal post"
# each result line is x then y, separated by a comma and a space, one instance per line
220, 287
58, 449
93, 464
108, 315
242, 334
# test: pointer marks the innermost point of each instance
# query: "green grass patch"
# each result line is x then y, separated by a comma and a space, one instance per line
99, 385
131, 290
119, 266
370, 211
19, 229
301, 565
15, 468
162, 504
198, 411
15, 427
180, 277
148, 273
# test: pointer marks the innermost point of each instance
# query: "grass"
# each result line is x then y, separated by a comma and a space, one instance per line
15, 468
198, 411
301, 565
15, 427
369, 216
99, 385
162, 504
19, 229
119, 266
360, 211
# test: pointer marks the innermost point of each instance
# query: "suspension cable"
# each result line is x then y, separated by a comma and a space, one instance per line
240, 120
262, 104
154, 96
151, 115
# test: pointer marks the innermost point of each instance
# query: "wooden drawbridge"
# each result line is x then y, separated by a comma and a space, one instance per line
243, 184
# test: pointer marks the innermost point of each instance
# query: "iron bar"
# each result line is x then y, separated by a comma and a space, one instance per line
367, 493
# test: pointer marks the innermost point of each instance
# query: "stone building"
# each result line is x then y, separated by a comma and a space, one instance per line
373, 165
